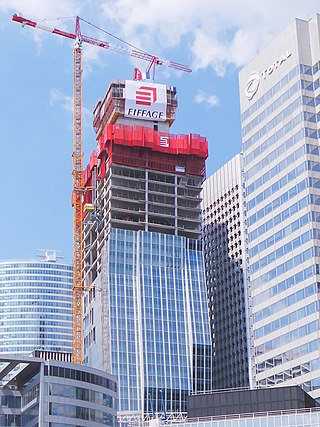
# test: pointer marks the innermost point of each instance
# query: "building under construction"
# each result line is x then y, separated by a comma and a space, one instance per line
145, 306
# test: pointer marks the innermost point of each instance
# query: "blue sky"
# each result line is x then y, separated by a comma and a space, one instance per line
36, 82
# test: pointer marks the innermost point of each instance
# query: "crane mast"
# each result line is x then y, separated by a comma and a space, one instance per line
78, 189
77, 202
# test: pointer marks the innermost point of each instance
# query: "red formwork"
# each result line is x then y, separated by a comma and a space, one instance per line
87, 181
87, 197
106, 136
86, 177
103, 164
93, 160
182, 143
143, 147
164, 162
198, 145
149, 136
126, 156
139, 136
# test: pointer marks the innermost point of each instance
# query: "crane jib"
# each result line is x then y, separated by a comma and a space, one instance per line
24, 21
136, 53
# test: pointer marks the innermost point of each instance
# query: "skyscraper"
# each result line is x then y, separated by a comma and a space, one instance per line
224, 234
35, 306
145, 312
280, 98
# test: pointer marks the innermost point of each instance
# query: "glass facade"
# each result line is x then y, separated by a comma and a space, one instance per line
223, 232
159, 337
281, 156
55, 393
35, 307
146, 317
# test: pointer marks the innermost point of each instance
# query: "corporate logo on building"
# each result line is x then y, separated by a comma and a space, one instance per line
146, 95
164, 141
276, 64
253, 81
252, 85
147, 102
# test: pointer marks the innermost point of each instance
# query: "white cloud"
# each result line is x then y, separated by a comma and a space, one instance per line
66, 102
91, 55
56, 14
33, 9
204, 98
49, 13
219, 33
58, 97
213, 34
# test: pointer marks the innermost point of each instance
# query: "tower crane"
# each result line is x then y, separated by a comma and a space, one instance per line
78, 188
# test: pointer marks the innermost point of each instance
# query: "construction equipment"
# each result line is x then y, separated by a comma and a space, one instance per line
78, 188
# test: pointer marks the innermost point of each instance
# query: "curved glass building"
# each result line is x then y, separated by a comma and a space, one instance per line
35, 306
50, 392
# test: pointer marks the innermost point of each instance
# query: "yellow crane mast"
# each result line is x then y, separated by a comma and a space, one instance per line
77, 202
78, 189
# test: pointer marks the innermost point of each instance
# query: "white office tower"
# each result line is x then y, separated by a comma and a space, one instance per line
280, 107
35, 306
224, 245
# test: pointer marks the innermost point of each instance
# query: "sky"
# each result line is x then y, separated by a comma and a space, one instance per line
215, 38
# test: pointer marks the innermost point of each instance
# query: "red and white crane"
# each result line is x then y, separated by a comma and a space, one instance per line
77, 151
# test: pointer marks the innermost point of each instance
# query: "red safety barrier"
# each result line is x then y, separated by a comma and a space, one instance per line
149, 137
138, 136
93, 160
86, 175
138, 146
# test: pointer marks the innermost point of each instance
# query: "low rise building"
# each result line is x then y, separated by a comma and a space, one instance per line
42, 391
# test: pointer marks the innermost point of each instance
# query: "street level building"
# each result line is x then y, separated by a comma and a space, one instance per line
45, 390
145, 309
286, 406
35, 306
287, 418
224, 240
280, 101
245, 401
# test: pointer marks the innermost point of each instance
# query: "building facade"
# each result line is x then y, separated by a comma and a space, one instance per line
280, 99
145, 312
55, 393
245, 401
35, 306
288, 418
280, 406
224, 240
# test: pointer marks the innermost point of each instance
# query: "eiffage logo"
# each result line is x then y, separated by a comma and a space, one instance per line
146, 95
145, 101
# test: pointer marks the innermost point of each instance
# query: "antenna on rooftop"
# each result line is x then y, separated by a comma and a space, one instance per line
49, 255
